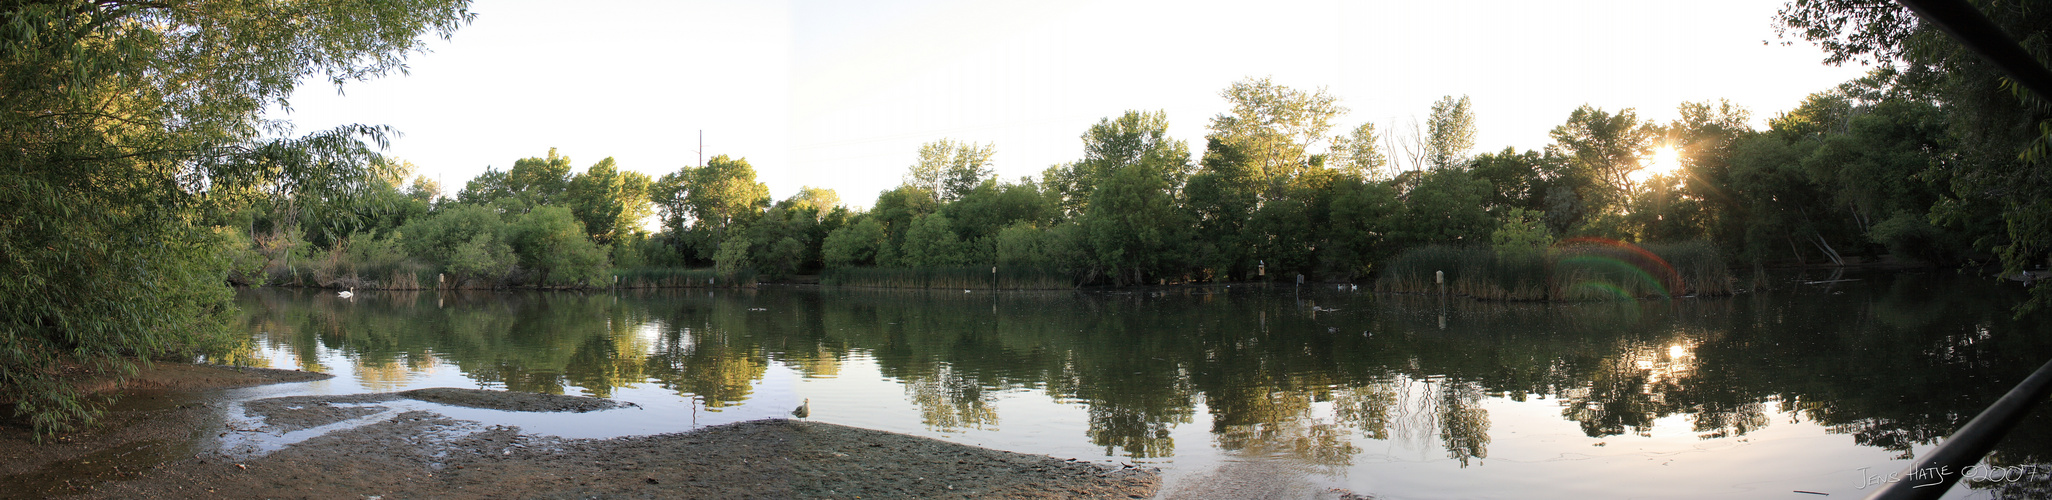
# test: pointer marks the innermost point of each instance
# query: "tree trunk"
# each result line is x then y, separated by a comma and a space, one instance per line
1829, 253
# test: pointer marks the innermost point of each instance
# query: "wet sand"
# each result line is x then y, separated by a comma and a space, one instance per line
156, 445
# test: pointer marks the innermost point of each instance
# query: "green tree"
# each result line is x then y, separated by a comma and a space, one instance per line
1776, 199
854, 245
1608, 149
1220, 200
1358, 232
539, 181
1705, 137
1357, 154
1021, 245
896, 209
992, 206
533, 182
124, 123
1111, 144
1273, 126
1132, 222
820, 200
1521, 232
731, 257
716, 200
949, 169
610, 203
931, 242
487, 187
1517, 180
1450, 132
1446, 208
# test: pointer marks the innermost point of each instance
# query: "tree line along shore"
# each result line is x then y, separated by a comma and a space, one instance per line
1852, 175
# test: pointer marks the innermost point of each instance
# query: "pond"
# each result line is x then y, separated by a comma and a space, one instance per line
1809, 388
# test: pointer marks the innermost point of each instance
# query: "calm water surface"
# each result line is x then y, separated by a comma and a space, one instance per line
1813, 388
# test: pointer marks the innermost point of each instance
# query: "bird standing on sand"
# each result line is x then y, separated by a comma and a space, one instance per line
804, 409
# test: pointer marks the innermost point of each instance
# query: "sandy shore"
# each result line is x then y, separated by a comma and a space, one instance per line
156, 445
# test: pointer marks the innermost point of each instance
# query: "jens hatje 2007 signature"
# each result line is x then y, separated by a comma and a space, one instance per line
1933, 476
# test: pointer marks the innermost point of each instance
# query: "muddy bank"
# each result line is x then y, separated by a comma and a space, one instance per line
420, 454
159, 414
173, 445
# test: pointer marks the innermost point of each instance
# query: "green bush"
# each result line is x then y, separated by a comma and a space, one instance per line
482, 261
552, 243
732, 258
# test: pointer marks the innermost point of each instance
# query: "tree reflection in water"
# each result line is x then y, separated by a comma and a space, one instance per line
1895, 362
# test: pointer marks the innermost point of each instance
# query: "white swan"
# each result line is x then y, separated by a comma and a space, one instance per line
351, 292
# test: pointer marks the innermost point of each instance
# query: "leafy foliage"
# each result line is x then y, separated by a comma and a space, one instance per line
1451, 132
949, 169
126, 122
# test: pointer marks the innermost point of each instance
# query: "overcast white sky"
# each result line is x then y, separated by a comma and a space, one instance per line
840, 94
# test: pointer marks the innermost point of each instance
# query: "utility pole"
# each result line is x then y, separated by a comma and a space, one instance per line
701, 148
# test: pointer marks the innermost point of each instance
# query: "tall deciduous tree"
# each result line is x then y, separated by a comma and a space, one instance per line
701, 207
1451, 132
1131, 220
1705, 137
610, 203
721, 196
1359, 154
1608, 148
1220, 200
1133, 138
820, 200
122, 123
1274, 126
949, 168
539, 181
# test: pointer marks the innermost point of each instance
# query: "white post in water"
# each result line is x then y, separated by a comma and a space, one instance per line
1439, 281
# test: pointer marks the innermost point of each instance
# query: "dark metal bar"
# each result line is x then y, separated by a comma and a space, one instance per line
1935, 472
1973, 29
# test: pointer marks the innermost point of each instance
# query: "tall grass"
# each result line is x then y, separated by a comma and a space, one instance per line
1700, 266
1478, 272
674, 277
963, 277
1571, 272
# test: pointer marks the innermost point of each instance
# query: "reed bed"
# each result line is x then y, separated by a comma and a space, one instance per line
962, 277
667, 277
1575, 271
